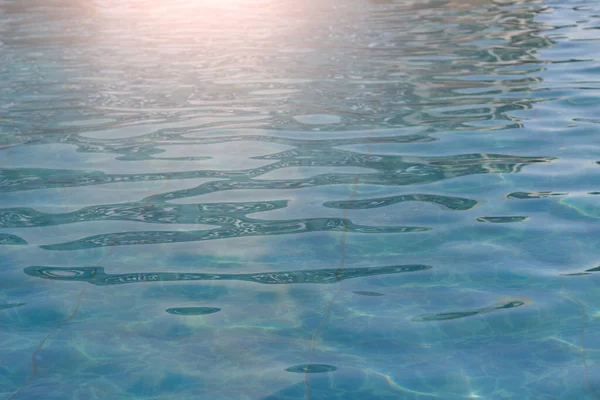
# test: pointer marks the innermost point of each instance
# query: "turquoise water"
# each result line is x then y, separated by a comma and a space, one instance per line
343, 199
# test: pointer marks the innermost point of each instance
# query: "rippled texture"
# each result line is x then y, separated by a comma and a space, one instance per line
350, 199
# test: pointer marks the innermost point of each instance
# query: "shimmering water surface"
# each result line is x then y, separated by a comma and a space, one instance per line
344, 199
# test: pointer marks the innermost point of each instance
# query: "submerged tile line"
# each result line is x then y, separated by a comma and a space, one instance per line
338, 271
584, 317
34, 367
581, 349
338, 276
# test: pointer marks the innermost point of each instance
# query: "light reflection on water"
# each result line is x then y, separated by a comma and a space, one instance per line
196, 148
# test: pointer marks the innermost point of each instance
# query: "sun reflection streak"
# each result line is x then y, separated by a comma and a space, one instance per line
397, 386
401, 388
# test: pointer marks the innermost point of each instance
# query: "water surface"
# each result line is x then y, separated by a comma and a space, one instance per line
350, 199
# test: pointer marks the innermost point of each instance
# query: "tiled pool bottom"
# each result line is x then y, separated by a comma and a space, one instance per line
299, 200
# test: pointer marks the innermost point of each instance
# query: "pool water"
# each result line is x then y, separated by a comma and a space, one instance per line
261, 199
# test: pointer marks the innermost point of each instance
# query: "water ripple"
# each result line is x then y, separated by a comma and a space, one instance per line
376, 137
97, 276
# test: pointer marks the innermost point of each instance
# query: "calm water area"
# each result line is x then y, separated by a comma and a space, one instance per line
299, 199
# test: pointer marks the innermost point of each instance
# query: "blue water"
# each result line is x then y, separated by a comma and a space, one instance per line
279, 199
